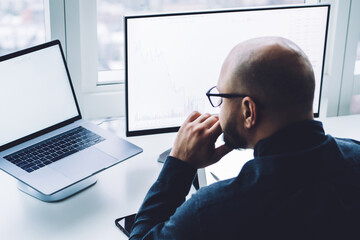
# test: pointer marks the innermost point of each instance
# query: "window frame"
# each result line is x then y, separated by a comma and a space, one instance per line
73, 22
349, 79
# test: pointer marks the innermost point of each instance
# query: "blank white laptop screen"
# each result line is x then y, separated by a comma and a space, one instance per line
35, 94
173, 59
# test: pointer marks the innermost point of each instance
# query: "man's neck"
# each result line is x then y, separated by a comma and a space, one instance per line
270, 126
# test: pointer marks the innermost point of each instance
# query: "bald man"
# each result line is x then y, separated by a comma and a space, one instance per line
301, 184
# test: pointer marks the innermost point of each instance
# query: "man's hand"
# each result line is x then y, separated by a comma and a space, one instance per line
195, 141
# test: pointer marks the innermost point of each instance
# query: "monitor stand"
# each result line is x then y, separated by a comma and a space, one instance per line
162, 156
60, 195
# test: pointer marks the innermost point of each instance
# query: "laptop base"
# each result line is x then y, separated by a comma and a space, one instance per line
60, 195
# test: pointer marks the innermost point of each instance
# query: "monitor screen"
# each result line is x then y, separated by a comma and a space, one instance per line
173, 59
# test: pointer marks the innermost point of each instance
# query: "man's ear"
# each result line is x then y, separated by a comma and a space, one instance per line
249, 112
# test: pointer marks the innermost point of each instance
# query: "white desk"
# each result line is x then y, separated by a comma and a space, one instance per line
118, 192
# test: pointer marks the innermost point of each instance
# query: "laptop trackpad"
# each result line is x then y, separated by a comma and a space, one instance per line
82, 164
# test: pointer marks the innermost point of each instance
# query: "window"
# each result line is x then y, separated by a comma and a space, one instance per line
22, 24
110, 25
355, 98
357, 61
344, 91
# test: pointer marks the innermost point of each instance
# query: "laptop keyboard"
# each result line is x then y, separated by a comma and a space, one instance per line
53, 149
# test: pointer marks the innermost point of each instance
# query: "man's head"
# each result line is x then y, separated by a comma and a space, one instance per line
278, 80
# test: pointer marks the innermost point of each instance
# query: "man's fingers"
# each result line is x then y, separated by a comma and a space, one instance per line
203, 117
210, 121
193, 116
215, 130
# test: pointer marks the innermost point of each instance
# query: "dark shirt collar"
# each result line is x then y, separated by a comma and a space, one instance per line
293, 138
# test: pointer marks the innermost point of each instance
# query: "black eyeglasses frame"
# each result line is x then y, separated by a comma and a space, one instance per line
222, 95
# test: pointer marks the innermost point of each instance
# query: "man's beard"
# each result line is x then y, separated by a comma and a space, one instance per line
234, 140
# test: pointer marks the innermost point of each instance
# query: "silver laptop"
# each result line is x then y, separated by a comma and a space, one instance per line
44, 142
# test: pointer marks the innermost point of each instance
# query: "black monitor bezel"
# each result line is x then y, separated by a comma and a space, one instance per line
130, 133
55, 126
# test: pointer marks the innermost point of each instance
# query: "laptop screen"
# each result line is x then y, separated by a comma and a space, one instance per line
35, 92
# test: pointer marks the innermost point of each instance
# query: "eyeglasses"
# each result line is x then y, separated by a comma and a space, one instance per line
216, 98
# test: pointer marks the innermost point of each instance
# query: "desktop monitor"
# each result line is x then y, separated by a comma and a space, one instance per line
172, 59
